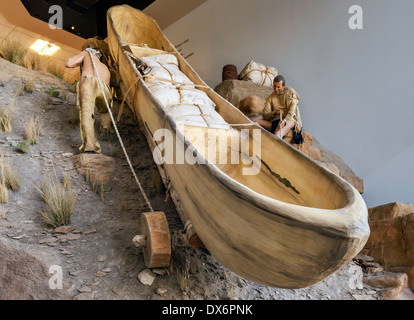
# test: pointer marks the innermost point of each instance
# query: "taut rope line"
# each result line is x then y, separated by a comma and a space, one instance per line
117, 132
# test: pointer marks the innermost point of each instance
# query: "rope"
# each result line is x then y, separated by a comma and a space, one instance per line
152, 76
117, 133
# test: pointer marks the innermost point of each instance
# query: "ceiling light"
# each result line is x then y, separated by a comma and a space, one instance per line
44, 48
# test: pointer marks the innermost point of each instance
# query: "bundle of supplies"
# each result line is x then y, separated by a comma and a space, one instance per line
258, 73
178, 94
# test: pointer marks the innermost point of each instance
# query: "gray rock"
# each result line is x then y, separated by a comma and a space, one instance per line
146, 277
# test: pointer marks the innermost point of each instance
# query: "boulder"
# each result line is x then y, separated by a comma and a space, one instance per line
310, 151
407, 270
358, 183
391, 241
235, 91
345, 172
252, 105
98, 166
390, 210
392, 283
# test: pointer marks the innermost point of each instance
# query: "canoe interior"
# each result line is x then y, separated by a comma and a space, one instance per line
284, 174
289, 224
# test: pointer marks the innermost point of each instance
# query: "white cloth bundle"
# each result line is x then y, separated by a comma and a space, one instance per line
198, 116
258, 73
165, 66
185, 104
170, 95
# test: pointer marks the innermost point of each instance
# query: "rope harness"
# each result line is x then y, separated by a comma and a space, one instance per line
91, 52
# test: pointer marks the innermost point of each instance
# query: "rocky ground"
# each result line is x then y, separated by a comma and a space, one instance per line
95, 253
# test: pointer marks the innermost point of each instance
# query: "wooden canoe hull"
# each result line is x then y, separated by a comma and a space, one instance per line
253, 225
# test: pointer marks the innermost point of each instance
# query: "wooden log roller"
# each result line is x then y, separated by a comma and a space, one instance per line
154, 239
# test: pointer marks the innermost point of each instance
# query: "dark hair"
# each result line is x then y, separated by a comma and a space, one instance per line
279, 78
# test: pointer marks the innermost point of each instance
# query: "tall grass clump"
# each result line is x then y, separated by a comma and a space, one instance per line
28, 86
33, 128
55, 68
6, 118
14, 51
4, 192
34, 61
9, 176
59, 198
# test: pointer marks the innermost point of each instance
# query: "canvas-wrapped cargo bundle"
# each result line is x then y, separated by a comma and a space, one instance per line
178, 95
165, 66
258, 73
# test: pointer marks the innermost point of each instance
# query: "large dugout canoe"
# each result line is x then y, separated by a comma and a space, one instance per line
291, 225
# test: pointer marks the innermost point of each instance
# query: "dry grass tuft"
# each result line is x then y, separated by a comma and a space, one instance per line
4, 192
6, 116
55, 68
29, 86
33, 128
183, 275
59, 200
6, 119
34, 61
14, 52
67, 182
181, 266
9, 176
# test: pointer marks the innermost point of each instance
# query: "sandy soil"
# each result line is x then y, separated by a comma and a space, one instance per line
97, 258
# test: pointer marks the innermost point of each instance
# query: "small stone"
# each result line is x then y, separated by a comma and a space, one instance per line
75, 272
67, 154
100, 273
68, 237
19, 237
161, 291
160, 272
47, 240
362, 258
102, 258
374, 269
146, 277
107, 270
85, 289
64, 229
82, 296
89, 231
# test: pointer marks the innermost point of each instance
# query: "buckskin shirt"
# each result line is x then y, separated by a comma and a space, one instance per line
288, 103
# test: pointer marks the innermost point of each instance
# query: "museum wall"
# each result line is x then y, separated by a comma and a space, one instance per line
355, 84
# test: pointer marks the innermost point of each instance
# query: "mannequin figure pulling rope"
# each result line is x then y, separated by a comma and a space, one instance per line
94, 88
